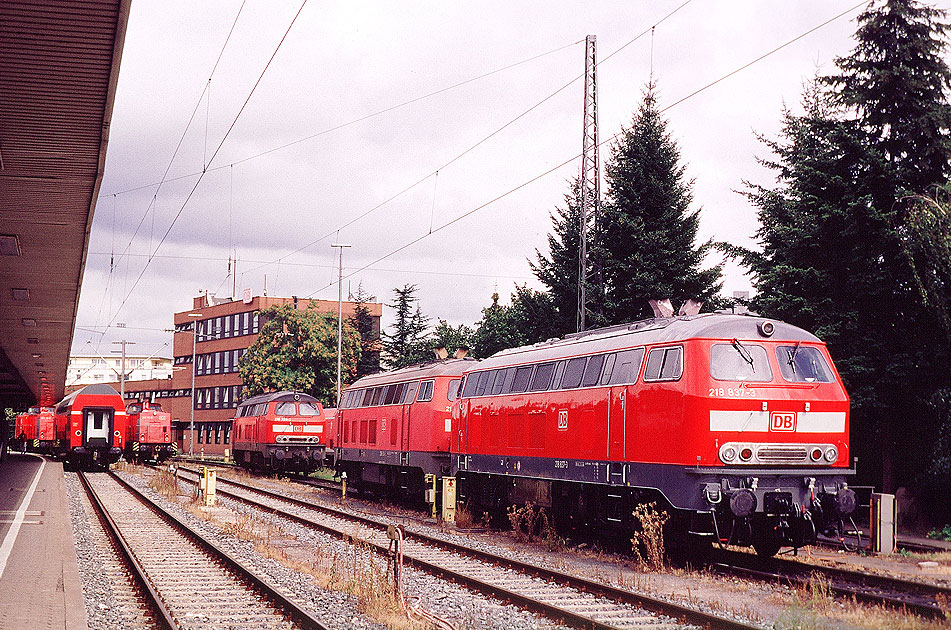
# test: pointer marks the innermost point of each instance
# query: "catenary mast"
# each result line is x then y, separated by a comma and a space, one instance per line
590, 172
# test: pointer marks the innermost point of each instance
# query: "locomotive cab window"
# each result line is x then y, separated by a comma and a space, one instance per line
308, 409
664, 364
453, 389
425, 391
469, 388
801, 364
740, 362
410, 394
286, 409
626, 366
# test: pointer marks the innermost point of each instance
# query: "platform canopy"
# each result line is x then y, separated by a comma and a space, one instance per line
59, 65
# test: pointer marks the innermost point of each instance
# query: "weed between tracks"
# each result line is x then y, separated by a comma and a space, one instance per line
360, 573
165, 483
648, 543
530, 524
813, 607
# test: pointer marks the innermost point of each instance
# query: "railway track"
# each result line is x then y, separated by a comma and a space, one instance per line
923, 599
576, 601
187, 580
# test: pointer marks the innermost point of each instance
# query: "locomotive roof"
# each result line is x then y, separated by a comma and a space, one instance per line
283, 396
96, 389
651, 331
429, 369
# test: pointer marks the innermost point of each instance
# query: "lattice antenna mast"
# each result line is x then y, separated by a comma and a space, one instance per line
590, 173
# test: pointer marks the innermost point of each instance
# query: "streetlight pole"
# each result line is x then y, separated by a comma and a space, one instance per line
123, 343
339, 316
191, 438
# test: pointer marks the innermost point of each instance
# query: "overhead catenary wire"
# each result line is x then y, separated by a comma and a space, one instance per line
435, 173
164, 179
354, 121
322, 266
210, 160
602, 143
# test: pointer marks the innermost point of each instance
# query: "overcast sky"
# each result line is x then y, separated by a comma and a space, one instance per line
343, 63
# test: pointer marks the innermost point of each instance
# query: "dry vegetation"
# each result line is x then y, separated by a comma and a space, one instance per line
648, 542
361, 573
814, 608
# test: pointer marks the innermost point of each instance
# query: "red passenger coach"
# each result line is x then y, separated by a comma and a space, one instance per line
91, 425
280, 431
149, 432
394, 427
735, 425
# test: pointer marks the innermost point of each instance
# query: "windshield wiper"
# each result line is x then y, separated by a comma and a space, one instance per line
792, 357
744, 353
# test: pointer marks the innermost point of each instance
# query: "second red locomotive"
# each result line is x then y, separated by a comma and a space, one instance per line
280, 431
394, 428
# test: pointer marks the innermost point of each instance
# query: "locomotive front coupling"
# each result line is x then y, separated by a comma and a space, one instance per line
773, 512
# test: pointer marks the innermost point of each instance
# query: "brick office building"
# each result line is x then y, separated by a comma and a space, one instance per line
225, 330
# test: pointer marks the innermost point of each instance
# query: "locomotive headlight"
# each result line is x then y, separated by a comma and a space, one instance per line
832, 454
746, 454
727, 454
766, 329
816, 454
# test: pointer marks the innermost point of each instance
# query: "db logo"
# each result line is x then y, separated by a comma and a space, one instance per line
782, 421
563, 420
298, 428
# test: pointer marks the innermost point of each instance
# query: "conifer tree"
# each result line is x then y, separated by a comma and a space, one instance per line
897, 82
847, 253
362, 321
559, 271
407, 344
646, 234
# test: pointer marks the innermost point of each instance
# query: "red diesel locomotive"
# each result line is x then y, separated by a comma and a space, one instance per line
735, 425
90, 426
393, 428
33, 430
281, 432
149, 432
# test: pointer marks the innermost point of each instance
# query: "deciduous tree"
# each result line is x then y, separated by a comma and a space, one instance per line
297, 350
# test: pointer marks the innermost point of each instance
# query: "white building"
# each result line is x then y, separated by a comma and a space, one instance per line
89, 369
